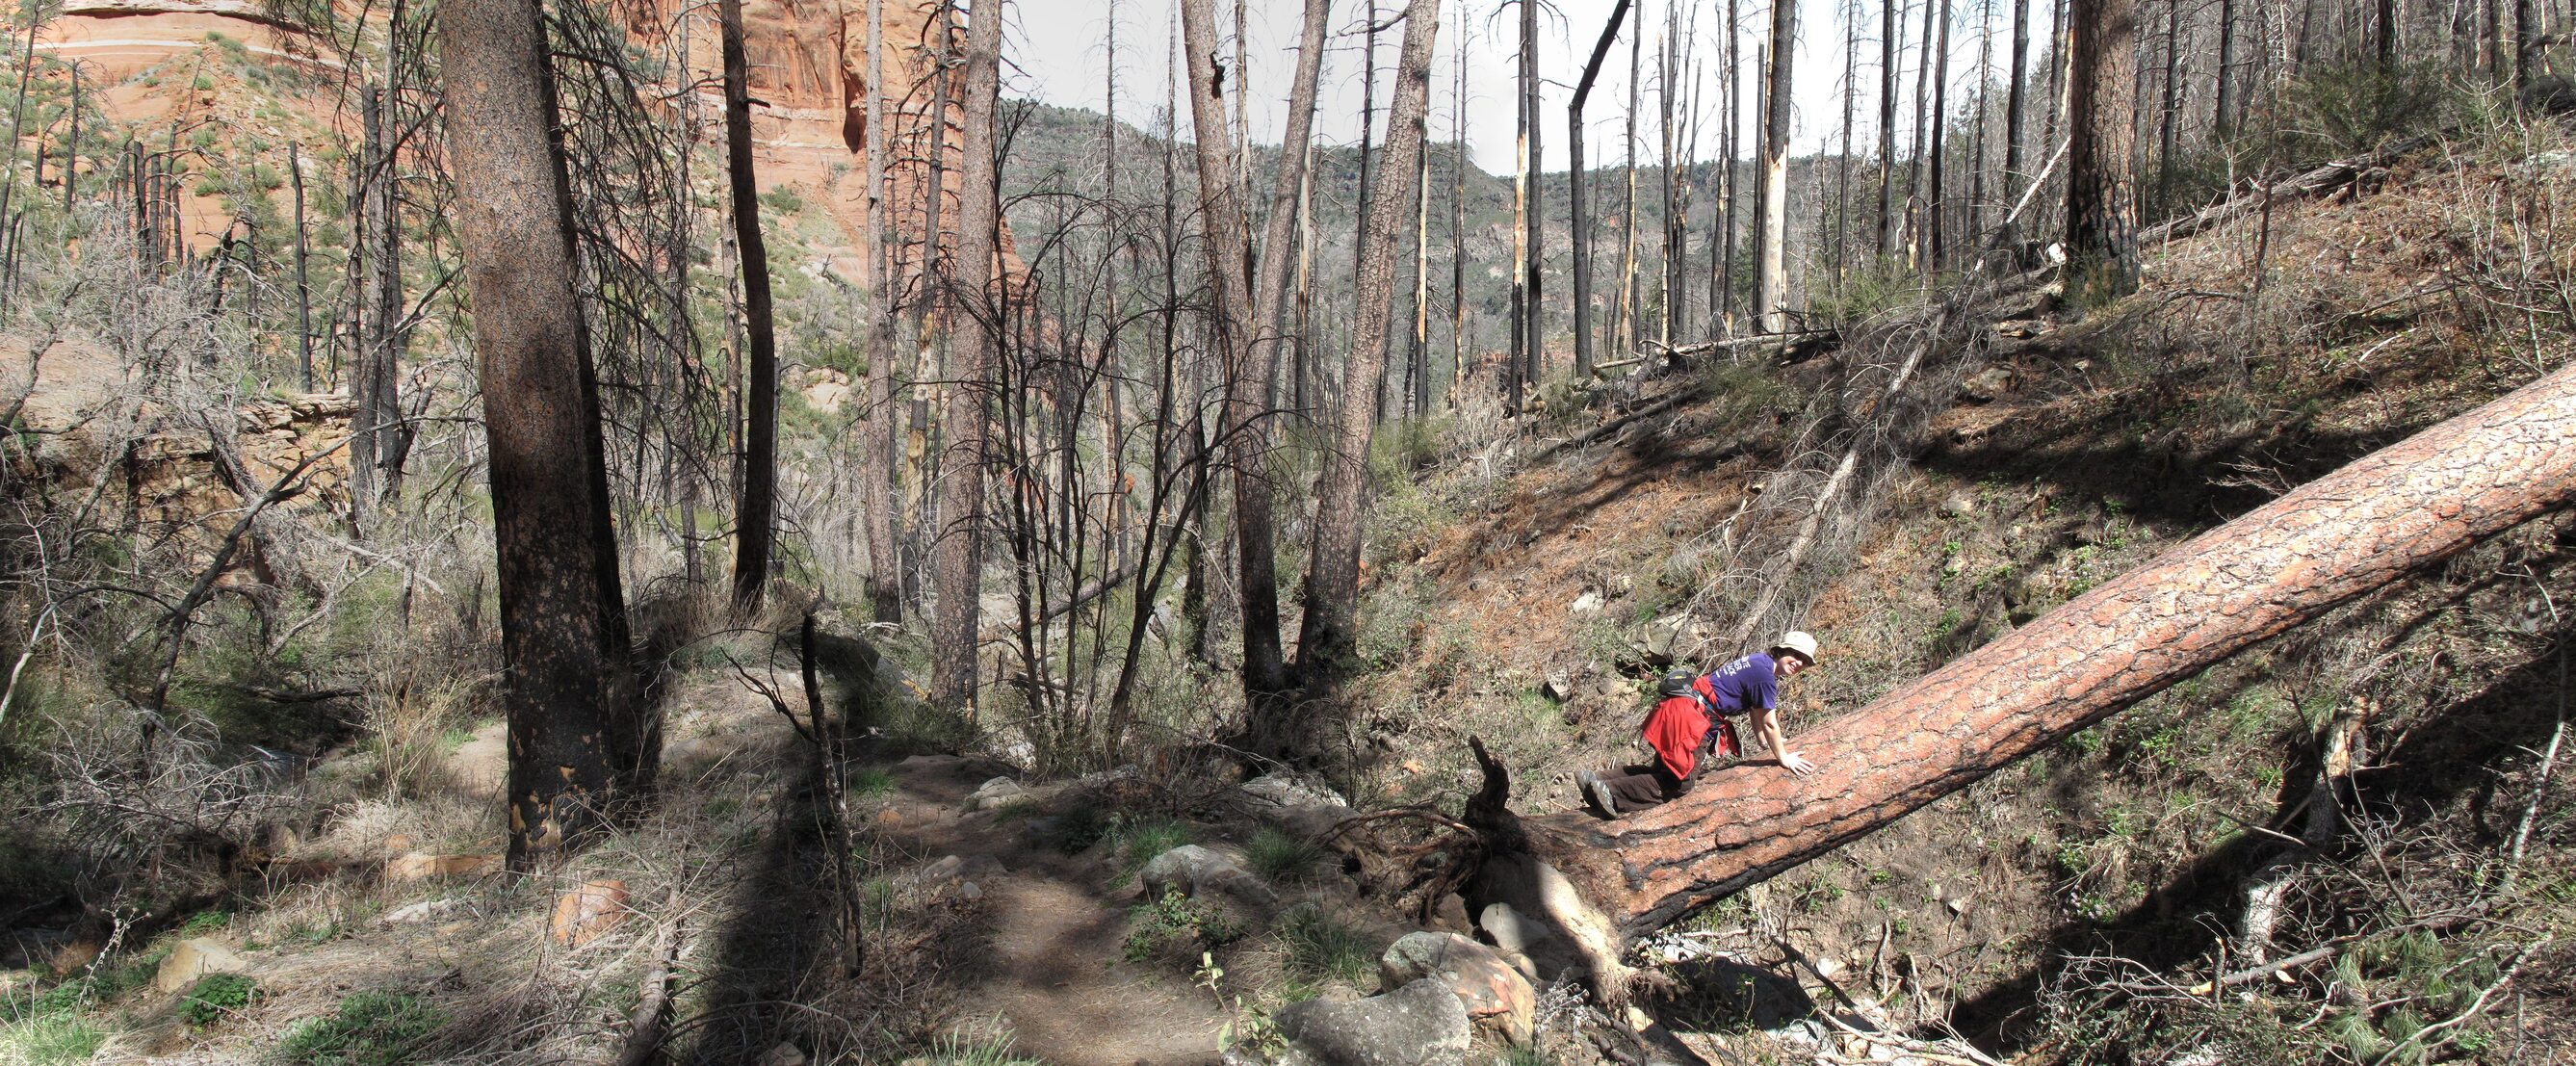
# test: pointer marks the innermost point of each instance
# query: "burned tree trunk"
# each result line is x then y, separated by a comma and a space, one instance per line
976, 292
755, 511
2389, 514
1329, 634
578, 743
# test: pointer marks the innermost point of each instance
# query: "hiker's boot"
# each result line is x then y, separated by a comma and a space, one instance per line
1596, 792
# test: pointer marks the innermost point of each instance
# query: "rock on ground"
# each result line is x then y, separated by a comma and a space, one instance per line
1194, 871
1495, 995
1420, 1024
194, 958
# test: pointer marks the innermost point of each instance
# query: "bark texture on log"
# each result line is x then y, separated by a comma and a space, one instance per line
2349, 533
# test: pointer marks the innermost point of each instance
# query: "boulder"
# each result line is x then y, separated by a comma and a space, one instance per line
1298, 806
1195, 871
426, 910
1988, 385
1520, 940
994, 793
1420, 1024
419, 866
1494, 994
1590, 602
953, 869
589, 912
194, 958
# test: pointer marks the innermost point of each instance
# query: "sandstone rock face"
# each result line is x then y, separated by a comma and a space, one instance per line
589, 912
1420, 1024
192, 959
809, 68
1494, 994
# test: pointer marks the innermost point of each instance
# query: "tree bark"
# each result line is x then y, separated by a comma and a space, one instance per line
877, 443
1325, 642
2101, 197
1582, 209
1265, 670
2356, 530
2013, 94
1888, 30
976, 293
755, 512
576, 745
1534, 320
1771, 274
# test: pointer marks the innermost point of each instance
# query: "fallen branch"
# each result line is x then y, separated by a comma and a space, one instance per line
2322, 179
651, 1021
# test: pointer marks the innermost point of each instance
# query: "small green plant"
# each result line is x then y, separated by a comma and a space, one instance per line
871, 781
52, 1040
204, 922
1140, 839
990, 1046
368, 1029
1177, 921
1316, 949
1283, 857
216, 995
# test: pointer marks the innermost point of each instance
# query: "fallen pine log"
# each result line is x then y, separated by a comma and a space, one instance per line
2356, 530
2323, 178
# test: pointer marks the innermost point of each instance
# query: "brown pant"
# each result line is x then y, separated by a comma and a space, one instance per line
1645, 786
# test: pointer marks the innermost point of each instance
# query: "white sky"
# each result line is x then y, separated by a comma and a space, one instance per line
1056, 53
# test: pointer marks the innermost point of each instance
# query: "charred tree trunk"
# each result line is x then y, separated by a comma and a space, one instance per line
577, 746
1888, 29
1582, 209
976, 292
2013, 94
1325, 642
1771, 274
1265, 670
2356, 530
877, 443
1534, 319
756, 511
2101, 186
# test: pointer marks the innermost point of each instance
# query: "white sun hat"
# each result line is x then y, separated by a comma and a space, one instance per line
1800, 641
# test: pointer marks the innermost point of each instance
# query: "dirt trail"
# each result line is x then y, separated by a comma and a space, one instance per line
1051, 959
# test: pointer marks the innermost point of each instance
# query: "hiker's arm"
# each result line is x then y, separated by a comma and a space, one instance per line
1767, 722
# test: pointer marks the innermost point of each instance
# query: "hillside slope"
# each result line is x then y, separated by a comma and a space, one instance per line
1528, 608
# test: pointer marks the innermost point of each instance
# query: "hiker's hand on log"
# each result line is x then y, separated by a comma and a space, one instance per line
1792, 762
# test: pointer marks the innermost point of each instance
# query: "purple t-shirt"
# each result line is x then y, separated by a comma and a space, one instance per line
1747, 683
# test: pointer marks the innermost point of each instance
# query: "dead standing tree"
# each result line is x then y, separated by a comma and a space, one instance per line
756, 509
1326, 640
2384, 516
976, 293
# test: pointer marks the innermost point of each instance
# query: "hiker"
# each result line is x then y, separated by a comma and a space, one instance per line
1693, 722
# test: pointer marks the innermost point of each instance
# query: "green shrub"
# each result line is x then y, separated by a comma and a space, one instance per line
1316, 949
1140, 839
368, 1029
978, 1049
871, 781
216, 995
204, 922
53, 1040
1178, 925
1284, 857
